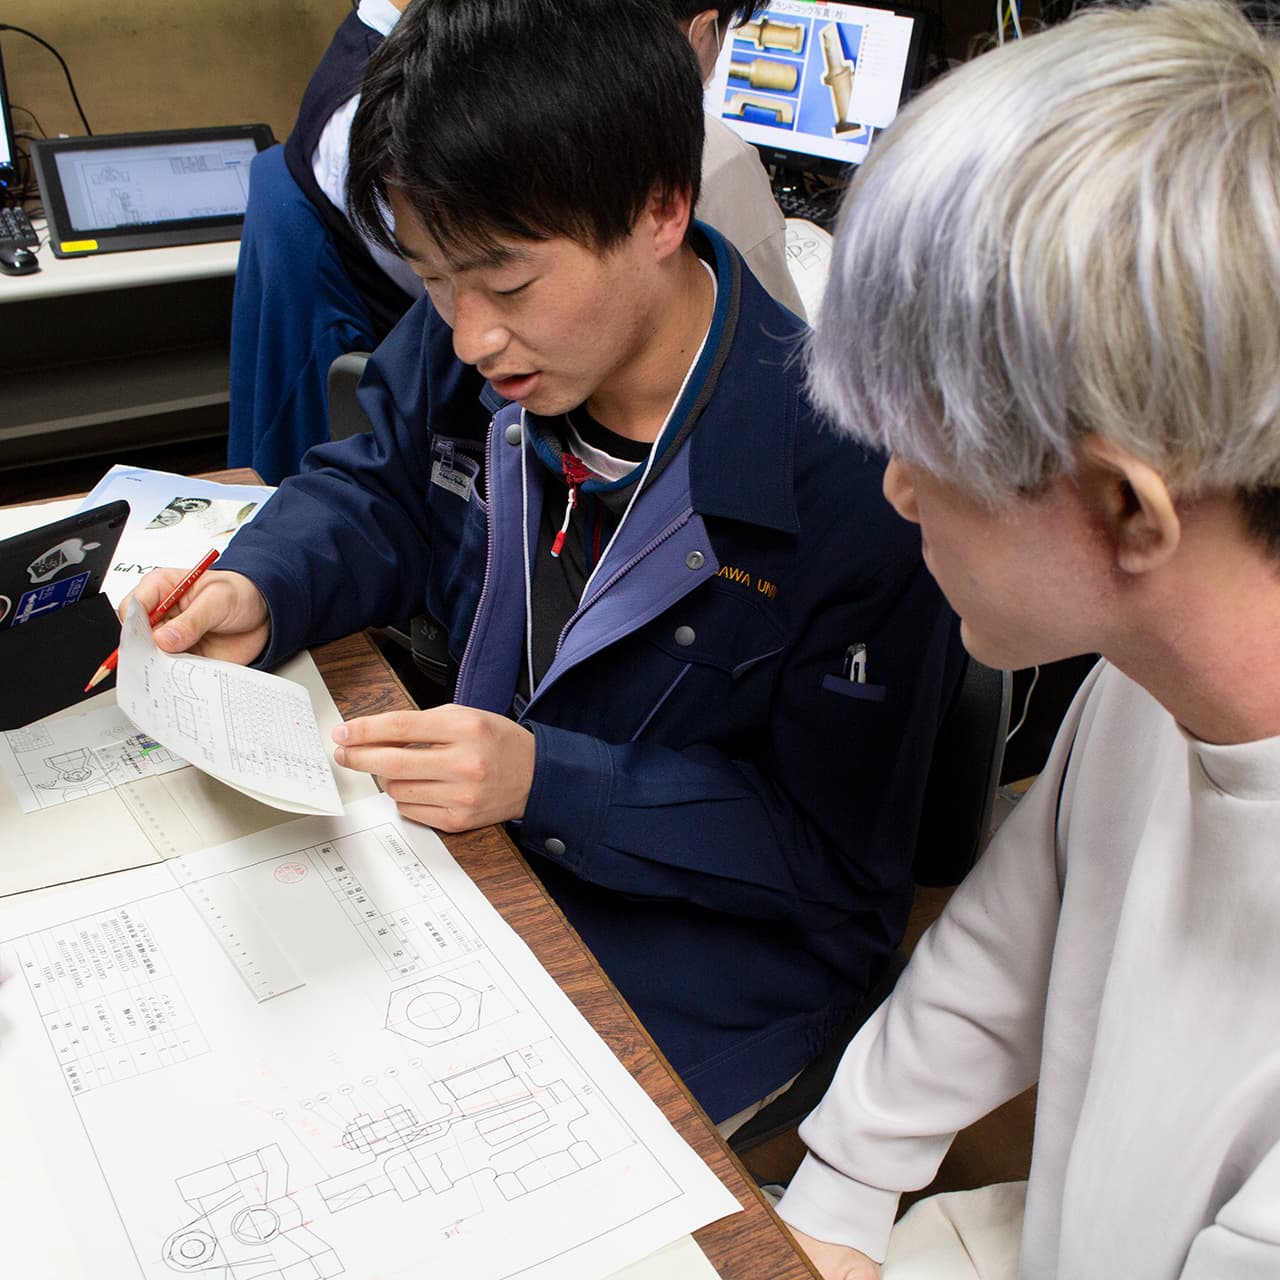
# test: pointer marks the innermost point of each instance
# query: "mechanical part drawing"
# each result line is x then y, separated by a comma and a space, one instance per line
447, 1007
54, 761
248, 1227
494, 1122
254, 731
426, 1102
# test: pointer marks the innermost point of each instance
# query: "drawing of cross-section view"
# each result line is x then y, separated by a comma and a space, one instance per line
55, 761
85, 770
248, 1226
498, 1128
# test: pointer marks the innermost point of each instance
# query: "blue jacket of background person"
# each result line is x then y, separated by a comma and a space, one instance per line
727, 820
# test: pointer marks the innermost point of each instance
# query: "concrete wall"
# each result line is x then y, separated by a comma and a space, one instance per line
152, 64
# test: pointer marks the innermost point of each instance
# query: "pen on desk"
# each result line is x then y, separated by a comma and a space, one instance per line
109, 664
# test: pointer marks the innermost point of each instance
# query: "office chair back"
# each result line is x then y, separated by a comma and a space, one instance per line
346, 417
964, 774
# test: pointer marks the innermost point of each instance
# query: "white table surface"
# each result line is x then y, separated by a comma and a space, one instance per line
126, 270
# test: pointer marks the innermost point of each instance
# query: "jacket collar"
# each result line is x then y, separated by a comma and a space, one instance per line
742, 455
746, 402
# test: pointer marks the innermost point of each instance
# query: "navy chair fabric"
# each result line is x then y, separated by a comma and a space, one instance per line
295, 309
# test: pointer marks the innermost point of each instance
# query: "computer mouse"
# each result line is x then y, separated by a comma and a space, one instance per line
18, 262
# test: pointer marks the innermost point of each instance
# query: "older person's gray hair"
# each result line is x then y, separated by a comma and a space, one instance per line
1076, 232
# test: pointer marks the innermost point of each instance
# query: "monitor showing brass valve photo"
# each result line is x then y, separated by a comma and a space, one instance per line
815, 82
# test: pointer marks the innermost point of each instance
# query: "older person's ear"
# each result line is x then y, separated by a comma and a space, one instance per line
1132, 502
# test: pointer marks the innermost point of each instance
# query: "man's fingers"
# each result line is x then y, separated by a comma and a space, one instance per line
192, 618
223, 605
422, 763
441, 819
386, 761
388, 728
151, 590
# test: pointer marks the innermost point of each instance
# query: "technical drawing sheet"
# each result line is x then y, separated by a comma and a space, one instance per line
131, 822
426, 1103
67, 758
250, 729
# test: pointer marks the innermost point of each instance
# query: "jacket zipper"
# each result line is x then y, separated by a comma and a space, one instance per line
490, 538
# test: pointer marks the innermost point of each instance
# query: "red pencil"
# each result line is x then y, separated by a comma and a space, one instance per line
109, 665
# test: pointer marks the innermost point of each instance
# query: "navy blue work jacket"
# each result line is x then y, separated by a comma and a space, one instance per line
726, 818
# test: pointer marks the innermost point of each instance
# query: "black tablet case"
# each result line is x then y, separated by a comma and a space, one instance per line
46, 661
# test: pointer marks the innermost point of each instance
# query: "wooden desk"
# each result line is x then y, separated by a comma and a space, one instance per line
752, 1245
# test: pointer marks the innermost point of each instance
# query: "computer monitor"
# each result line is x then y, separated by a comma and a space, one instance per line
811, 84
8, 150
146, 190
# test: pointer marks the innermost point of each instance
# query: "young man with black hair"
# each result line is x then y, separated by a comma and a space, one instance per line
643, 560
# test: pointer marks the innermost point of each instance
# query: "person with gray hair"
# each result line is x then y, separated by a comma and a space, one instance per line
1054, 301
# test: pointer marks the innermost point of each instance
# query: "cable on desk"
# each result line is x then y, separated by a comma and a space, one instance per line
26, 133
66, 71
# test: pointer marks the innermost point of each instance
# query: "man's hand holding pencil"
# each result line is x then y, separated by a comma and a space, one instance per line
223, 615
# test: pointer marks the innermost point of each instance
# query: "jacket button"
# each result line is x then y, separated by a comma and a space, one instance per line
695, 559
553, 847
513, 433
685, 636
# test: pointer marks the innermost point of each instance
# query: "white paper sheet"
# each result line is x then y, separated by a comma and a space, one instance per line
252, 730
173, 521
14, 520
681, 1260
429, 1103
809, 261
55, 761
152, 818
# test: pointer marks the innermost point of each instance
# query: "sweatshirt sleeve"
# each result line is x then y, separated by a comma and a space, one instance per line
960, 1035
1243, 1241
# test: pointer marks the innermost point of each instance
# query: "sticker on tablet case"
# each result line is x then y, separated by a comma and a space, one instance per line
53, 595
67, 552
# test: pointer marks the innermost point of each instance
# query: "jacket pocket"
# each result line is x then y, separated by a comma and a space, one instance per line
708, 659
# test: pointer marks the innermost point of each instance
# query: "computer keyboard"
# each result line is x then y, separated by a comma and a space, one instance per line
16, 231
820, 210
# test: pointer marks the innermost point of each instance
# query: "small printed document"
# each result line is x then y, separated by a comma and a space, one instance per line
424, 1101
173, 521
252, 730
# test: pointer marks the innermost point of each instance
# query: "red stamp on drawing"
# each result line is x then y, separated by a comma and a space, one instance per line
291, 872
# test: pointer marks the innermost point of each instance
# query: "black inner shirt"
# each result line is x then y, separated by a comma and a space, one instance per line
558, 582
